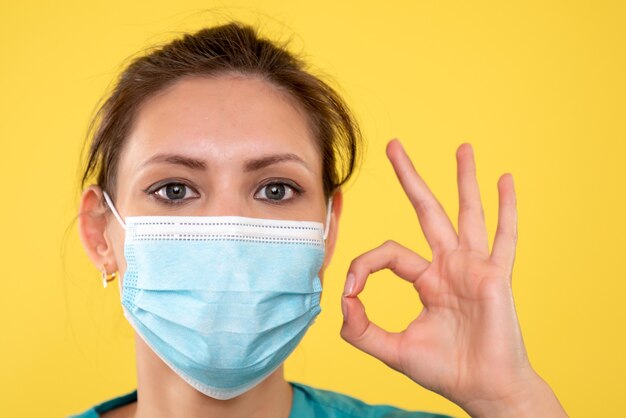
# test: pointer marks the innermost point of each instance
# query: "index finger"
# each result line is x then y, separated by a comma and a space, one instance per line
436, 225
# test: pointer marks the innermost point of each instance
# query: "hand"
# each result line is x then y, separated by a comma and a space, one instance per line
466, 343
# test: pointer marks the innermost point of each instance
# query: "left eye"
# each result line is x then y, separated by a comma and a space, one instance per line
175, 191
275, 192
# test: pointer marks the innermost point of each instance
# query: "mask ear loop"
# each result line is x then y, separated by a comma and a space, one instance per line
328, 213
112, 207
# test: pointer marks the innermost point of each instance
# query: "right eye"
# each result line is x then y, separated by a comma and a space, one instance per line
175, 192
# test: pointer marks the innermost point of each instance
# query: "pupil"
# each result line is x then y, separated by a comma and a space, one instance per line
175, 191
275, 192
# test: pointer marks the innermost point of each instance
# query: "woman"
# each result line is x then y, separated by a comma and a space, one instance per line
218, 163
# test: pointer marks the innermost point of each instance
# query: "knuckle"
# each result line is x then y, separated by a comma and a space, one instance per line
422, 206
344, 333
389, 244
360, 336
508, 232
351, 336
468, 207
358, 260
354, 264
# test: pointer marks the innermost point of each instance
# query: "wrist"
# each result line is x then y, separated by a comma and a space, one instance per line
532, 397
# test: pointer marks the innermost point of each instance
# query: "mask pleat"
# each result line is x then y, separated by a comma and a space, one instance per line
216, 266
227, 311
226, 351
222, 300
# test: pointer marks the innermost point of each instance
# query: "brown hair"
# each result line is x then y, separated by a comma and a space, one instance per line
232, 47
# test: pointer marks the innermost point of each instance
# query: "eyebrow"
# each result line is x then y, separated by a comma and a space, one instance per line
177, 159
259, 163
250, 165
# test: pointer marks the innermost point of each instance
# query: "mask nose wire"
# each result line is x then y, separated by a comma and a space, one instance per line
328, 213
112, 207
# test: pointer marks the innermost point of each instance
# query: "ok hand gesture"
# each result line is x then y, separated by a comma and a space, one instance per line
466, 343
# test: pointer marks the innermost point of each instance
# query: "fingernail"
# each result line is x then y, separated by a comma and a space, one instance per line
344, 309
349, 287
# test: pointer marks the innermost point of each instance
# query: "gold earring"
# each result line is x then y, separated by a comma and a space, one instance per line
106, 278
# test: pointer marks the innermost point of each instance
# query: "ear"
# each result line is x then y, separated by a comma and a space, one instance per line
92, 225
337, 200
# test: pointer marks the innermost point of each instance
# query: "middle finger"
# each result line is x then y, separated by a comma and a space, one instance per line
472, 229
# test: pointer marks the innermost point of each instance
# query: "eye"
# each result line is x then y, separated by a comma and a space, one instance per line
277, 192
172, 192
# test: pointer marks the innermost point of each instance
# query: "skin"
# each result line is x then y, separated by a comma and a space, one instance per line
466, 343
188, 120
227, 125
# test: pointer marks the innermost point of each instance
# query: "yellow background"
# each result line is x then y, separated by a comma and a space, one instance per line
537, 87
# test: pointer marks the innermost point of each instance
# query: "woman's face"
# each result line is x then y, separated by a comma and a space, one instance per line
231, 145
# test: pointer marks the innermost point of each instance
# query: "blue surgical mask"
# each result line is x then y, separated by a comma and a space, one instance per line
221, 300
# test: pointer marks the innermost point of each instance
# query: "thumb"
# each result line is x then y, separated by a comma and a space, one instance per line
368, 337
357, 329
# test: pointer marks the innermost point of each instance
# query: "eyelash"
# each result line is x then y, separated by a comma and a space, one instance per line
297, 190
155, 188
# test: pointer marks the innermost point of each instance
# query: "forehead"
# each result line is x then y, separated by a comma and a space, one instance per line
222, 119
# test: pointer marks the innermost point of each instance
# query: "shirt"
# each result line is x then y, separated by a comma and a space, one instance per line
308, 402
